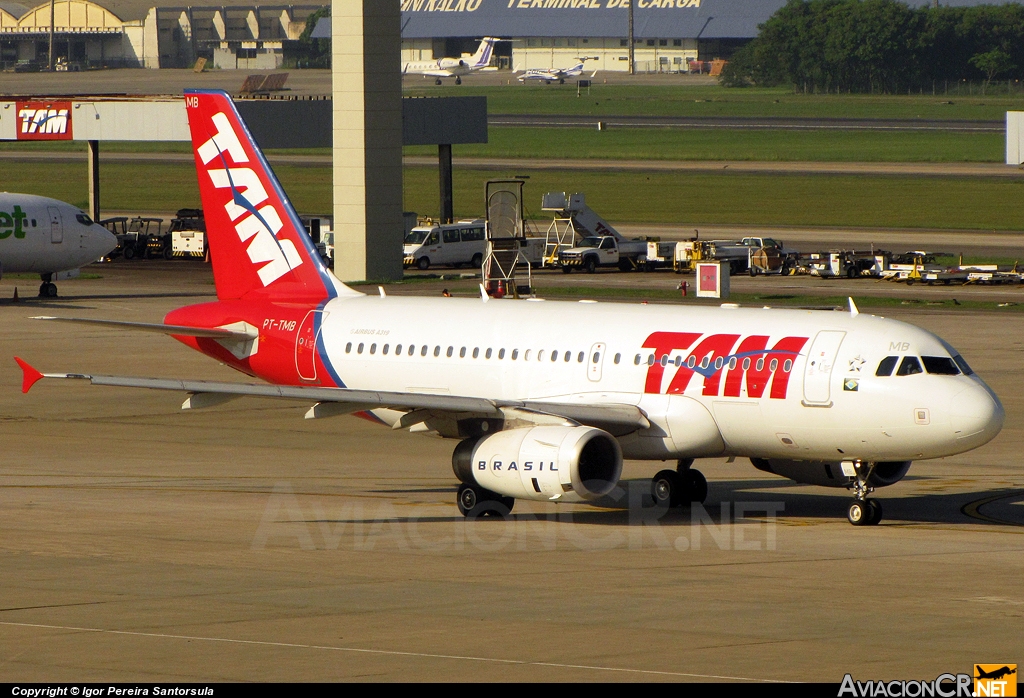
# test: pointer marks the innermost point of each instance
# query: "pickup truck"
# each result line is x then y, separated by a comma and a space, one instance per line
604, 251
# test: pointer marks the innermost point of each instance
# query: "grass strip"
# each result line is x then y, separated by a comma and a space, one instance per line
695, 199
772, 145
714, 101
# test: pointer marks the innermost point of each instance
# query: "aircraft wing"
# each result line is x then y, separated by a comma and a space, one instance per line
436, 73
618, 418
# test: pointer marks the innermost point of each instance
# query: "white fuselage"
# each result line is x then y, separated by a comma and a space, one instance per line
821, 401
44, 235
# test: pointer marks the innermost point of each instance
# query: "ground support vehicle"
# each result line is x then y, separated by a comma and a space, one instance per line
452, 244
770, 256
850, 264
755, 255
188, 233
133, 235
605, 251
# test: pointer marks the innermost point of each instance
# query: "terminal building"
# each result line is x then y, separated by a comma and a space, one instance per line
668, 35
130, 34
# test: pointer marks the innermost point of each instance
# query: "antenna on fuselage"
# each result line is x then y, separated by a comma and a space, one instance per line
853, 307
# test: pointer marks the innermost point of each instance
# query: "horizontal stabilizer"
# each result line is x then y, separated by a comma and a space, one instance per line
179, 330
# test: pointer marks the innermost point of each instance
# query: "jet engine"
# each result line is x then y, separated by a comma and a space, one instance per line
544, 463
830, 473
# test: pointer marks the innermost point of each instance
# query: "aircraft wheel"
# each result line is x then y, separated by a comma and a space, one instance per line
48, 290
422, 263
475, 502
859, 513
666, 488
458, 81
438, 81
696, 487
876, 512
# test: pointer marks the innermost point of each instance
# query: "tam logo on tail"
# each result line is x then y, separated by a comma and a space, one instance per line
256, 239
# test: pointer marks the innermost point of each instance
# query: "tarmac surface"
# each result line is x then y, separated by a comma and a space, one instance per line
244, 543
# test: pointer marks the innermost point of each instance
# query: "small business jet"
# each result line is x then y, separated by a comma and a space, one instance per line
47, 236
546, 398
559, 75
454, 67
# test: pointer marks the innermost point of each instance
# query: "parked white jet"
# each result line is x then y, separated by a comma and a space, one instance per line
454, 67
547, 398
550, 75
44, 235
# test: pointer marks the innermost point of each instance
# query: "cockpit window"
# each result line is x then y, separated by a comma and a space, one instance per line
909, 366
940, 365
959, 361
83, 219
886, 365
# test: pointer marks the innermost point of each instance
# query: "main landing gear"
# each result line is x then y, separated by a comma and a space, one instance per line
474, 501
863, 511
679, 487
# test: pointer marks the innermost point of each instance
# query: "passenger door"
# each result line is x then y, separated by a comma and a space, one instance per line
818, 369
56, 227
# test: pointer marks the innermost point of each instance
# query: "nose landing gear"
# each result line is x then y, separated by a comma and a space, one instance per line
862, 511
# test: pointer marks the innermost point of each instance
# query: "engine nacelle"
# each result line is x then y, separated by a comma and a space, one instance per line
543, 463
830, 473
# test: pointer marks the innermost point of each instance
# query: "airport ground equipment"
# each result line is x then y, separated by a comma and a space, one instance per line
850, 264
752, 254
158, 242
573, 219
506, 268
133, 235
188, 233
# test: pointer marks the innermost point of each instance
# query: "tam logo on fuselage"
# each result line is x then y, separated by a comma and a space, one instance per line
748, 363
256, 226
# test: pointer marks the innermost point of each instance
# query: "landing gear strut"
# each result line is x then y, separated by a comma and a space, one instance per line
47, 289
862, 511
474, 501
679, 487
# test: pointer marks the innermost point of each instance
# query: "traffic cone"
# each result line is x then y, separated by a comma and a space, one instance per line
15, 299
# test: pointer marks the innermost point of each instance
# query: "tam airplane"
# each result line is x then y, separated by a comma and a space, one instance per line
47, 236
454, 67
545, 399
550, 75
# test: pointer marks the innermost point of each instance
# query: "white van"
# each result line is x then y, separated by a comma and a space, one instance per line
453, 244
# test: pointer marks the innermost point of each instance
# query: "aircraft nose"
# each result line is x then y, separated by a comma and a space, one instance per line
100, 241
976, 415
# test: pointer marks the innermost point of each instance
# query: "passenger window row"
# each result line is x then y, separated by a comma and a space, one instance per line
719, 363
935, 365
424, 350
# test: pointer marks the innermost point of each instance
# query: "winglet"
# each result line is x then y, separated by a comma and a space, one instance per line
853, 307
30, 375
